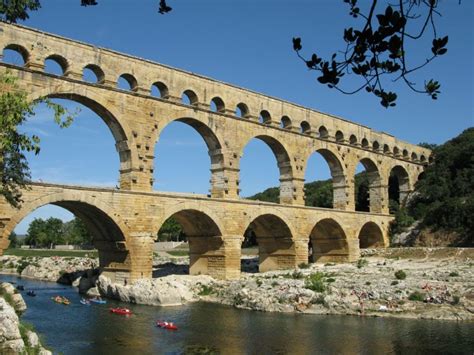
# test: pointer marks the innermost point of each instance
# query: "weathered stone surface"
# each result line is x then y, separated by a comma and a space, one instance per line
125, 221
10, 338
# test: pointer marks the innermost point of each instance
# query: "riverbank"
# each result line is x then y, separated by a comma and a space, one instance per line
16, 337
424, 283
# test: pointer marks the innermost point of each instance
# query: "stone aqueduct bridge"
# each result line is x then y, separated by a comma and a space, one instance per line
124, 221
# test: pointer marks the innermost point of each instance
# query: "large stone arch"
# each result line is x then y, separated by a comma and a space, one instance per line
276, 245
214, 146
371, 236
111, 236
118, 127
338, 174
284, 163
329, 242
209, 251
377, 190
399, 175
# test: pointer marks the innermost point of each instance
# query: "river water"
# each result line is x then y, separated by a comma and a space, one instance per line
79, 329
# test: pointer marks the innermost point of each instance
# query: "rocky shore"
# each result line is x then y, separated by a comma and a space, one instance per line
16, 337
425, 283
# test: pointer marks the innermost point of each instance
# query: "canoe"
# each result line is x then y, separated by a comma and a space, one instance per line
166, 325
121, 311
97, 301
85, 302
31, 293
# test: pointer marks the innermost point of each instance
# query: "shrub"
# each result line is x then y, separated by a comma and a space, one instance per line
304, 266
275, 283
297, 275
258, 282
400, 275
238, 299
454, 274
206, 290
368, 283
318, 300
361, 263
455, 300
394, 282
417, 296
315, 282
22, 266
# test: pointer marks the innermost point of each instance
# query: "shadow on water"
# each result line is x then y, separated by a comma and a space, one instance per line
78, 329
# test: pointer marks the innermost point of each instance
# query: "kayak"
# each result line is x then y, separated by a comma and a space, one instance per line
61, 300
122, 311
85, 302
166, 325
97, 301
31, 293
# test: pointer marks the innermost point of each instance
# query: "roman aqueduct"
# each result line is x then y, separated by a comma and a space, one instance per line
125, 221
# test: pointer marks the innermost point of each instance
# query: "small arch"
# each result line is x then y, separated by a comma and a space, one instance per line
405, 153
422, 158
56, 64
93, 74
329, 243
368, 196
323, 132
159, 89
18, 55
398, 187
305, 127
285, 122
339, 137
242, 110
414, 156
375, 146
127, 82
265, 117
396, 151
217, 105
386, 149
371, 236
364, 143
431, 159
353, 139
189, 97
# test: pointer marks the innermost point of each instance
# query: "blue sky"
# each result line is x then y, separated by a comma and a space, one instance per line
247, 43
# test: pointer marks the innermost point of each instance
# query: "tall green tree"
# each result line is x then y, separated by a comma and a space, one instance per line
15, 110
75, 233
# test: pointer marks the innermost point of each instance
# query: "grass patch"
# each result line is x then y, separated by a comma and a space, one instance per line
315, 282
304, 266
394, 282
178, 252
51, 252
400, 275
417, 296
454, 274
361, 263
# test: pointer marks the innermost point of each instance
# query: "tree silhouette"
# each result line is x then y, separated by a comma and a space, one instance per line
377, 49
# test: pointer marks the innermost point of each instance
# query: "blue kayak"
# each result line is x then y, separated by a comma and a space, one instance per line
98, 301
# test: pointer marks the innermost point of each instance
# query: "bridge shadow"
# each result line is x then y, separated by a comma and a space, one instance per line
249, 264
169, 268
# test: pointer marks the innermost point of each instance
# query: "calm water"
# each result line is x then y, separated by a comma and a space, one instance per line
78, 329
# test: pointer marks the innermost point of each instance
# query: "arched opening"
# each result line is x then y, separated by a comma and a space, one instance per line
405, 153
62, 222
371, 236
15, 54
285, 122
127, 82
386, 149
189, 97
339, 137
159, 89
376, 146
241, 110
364, 143
217, 105
368, 194
55, 64
305, 127
265, 117
353, 139
328, 242
276, 249
396, 151
414, 157
422, 158
66, 153
323, 132
257, 161
205, 242
93, 74
187, 156
398, 188
325, 179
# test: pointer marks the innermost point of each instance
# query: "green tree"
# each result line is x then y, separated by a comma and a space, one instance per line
171, 230
13, 240
75, 232
15, 109
45, 233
